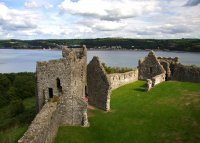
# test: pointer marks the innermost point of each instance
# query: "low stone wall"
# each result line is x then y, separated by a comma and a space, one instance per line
119, 79
154, 81
44, 127
158, 79
187, 73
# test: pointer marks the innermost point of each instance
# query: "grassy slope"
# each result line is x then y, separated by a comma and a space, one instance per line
16, 126
169, 113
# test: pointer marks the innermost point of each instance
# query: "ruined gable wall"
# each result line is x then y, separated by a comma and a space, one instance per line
99, 88
187, 73
149, 67
119, 79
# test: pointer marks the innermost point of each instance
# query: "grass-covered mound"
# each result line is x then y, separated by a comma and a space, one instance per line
169, 113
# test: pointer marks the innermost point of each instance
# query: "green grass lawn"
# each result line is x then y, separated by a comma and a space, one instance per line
12, 128
169, 113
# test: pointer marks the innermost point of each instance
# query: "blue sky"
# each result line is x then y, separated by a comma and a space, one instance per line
66, 19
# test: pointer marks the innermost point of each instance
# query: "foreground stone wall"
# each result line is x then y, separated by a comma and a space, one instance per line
43, 127
98, 85
119, 79
187, 73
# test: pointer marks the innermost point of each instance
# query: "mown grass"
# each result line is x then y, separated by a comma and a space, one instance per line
169, 113
12, 128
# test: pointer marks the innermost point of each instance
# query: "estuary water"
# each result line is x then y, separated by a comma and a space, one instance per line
12, 60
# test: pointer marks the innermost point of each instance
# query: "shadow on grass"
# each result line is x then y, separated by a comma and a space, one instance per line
141, 89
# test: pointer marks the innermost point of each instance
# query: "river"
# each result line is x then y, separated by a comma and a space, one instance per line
12, 60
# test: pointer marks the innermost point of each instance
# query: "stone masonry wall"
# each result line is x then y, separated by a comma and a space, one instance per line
98, 83
154, 81
187, 73
158, 79
43, 127
119, 79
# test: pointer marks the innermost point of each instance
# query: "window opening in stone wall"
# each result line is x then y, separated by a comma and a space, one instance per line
50, 92
59, 85
86, 91
151, 70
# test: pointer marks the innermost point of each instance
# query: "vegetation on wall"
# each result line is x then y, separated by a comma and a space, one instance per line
110, 70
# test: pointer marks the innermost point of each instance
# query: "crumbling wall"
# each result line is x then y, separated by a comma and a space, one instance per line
149, 67
169, 65
119, 79
98, 85
187, 73
150, 83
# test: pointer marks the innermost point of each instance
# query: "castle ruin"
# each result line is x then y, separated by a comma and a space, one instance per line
63, 85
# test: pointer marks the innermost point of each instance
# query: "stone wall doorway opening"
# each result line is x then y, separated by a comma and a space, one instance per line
59, 87
50, 92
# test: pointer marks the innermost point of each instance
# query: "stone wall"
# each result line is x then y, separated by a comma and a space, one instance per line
169, 65
149, 67
43, 127
98, 85
150, 83
158, 79
119, 79
187, 73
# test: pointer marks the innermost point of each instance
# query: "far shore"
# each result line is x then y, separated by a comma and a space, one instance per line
92, 49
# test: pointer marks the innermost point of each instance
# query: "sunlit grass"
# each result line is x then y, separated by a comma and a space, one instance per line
169, 113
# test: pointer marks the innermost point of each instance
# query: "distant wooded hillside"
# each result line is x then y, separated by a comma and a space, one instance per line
191, 45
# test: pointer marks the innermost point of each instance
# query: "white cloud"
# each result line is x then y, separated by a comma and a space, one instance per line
11, 19
31, 4
35, 4
109, 10
35, 19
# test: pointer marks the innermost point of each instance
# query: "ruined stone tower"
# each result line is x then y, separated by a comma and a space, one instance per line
60, 96
64, 80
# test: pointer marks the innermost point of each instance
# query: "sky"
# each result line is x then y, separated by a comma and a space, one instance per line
68, 19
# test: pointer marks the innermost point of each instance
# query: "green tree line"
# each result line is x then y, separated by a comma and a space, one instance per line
16, 87
191, 45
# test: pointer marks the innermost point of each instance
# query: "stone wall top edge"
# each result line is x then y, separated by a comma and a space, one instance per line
132, 71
